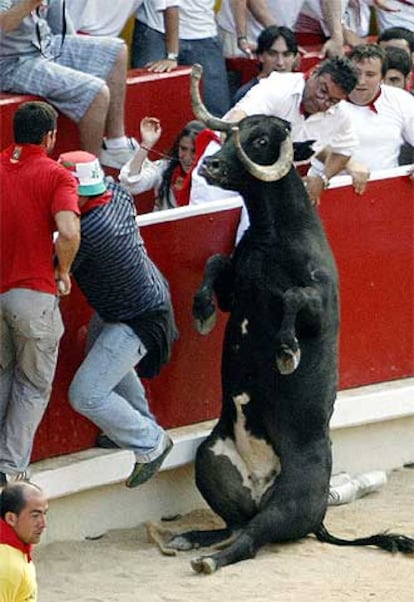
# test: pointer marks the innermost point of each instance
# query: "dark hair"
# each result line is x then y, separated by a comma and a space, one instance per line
272, 33
13, 497
398, 59
397, 33
370, 51
341, 70
191, 129
32, 121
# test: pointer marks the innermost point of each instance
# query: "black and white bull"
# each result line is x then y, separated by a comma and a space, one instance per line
266, 466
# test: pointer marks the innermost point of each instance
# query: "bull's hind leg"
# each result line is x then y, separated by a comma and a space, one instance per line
293, 508
221, 480
217, 280
295, 300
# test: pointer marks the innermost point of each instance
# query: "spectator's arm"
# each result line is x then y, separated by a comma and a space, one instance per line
10, 18
332, 14
324, 166
66, 247
168, 63
360, 175
260, 11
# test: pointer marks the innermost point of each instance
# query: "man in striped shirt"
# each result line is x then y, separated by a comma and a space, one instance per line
133, 325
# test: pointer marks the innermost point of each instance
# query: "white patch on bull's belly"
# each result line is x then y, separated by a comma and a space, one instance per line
254, 458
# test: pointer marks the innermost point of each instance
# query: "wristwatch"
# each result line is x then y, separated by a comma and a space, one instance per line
172, 56
324, 179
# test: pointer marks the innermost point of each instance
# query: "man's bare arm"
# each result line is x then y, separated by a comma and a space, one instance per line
66, 247
332, 13
11, 18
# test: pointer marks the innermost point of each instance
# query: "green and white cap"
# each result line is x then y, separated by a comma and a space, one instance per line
87, 170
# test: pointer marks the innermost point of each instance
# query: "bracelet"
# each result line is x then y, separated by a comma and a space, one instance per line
172, 56
239, 38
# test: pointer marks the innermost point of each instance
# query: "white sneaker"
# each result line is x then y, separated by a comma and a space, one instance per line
117, 157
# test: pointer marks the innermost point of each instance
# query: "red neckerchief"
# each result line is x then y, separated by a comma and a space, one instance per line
16, 153
177, 182
371, 105
201, 142
95, 201
9, 537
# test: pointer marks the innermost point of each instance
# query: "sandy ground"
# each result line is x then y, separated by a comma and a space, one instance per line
124, 567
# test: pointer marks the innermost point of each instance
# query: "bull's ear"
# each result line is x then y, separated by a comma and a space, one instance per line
286, 124
303, 150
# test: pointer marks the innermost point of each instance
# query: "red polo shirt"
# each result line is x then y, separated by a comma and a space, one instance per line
33, 188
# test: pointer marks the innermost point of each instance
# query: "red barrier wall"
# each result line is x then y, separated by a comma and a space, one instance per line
372, 238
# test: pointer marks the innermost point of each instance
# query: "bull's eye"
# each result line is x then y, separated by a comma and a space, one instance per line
261, 142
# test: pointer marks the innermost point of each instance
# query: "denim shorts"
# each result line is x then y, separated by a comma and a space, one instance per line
70, 81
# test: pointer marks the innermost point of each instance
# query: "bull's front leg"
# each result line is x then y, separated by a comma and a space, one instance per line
308, 301
217, 281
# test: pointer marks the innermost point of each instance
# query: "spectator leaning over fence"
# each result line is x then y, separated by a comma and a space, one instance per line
277, 50
37, 198
312, 104
133, 325
383, 116
82, 76
23, 509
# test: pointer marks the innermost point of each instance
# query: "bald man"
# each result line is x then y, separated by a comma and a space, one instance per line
23, 508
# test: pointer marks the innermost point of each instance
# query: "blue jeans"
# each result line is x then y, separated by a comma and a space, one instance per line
107, 390
31, 328
149, 45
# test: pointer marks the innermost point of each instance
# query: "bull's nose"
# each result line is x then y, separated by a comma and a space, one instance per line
214, 165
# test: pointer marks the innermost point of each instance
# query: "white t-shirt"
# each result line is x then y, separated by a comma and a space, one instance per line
285, 13
403, 18
381, 133
312, 10
101, 17
280, 95
196, 18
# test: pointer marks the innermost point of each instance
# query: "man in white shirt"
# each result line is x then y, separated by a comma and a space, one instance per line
199, 43
383, 116
314, 109
108, 18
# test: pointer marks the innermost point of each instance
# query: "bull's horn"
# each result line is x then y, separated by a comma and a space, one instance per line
199, 109
266, 173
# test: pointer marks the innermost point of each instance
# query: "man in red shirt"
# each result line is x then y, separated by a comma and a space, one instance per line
38, 197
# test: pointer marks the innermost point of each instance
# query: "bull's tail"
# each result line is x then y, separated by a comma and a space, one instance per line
391, 542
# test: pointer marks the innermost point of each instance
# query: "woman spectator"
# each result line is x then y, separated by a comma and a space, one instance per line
166, 175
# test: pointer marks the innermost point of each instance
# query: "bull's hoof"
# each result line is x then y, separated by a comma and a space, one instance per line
179, 543
287, 360
204, 564
205, 326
